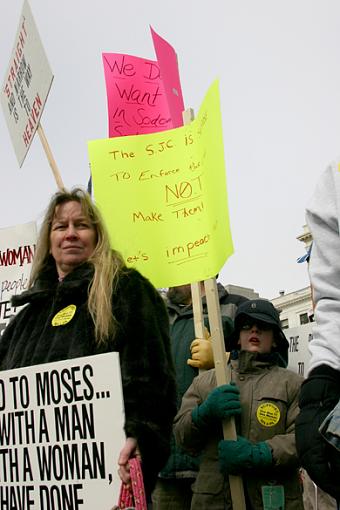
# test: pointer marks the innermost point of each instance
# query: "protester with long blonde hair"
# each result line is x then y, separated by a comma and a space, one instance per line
110, 308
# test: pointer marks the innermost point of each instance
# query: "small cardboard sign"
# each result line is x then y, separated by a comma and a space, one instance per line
17, 247
26, 85
299, 355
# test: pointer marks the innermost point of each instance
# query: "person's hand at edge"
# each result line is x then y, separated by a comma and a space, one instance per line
129, 450
319, 394
201, 353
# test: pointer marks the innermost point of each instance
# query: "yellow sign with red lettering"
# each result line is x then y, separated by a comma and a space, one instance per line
164, 198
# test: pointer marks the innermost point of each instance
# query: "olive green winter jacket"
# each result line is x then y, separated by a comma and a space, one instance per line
182, 333
269, 402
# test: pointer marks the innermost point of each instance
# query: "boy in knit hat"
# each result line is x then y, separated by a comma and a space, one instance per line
263, 398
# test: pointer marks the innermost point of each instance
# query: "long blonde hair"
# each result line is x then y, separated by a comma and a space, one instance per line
106, 262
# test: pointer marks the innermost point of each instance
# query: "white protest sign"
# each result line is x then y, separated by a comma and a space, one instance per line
17, 247
61, 431
26, 85
299, 356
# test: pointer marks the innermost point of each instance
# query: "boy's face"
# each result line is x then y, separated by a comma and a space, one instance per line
256, 336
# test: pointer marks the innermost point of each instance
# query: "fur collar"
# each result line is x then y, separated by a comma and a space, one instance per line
47, 283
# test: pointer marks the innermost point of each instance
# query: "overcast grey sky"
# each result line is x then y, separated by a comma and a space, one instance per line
279, 68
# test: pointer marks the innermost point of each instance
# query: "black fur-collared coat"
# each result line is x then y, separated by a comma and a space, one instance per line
142, 340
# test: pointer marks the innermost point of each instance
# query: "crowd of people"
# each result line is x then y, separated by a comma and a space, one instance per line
174, 408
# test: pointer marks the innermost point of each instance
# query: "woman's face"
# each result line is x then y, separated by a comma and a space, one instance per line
72, 237
256, 336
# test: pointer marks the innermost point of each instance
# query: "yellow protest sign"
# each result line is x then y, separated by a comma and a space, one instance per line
163, 197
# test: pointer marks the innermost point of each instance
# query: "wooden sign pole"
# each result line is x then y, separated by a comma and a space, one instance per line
223, 372
196, 294
223, 376
50, 157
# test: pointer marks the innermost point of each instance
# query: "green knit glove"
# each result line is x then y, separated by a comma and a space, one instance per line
222, 402
240, 455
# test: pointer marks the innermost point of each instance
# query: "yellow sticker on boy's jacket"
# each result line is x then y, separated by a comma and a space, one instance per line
64, 316
268, 414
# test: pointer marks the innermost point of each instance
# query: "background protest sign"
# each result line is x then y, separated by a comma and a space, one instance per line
164, 200
167, 62
17, 247
61, 431
26, 85
136, 97
299, 355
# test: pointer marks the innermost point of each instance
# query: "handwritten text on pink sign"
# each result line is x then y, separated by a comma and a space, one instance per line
136, 98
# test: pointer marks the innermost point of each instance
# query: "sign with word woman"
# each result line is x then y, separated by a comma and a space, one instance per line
61, 431
17, 247
164, 199
26, 85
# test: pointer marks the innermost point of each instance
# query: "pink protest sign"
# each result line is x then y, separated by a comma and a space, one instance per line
167, 61
137, 102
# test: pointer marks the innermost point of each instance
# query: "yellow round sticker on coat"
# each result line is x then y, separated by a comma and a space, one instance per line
64, 316
268, 414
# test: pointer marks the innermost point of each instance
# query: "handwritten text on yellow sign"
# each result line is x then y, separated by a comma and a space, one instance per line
164, 199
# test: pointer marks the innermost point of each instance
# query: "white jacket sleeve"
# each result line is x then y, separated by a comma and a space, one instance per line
323, 220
